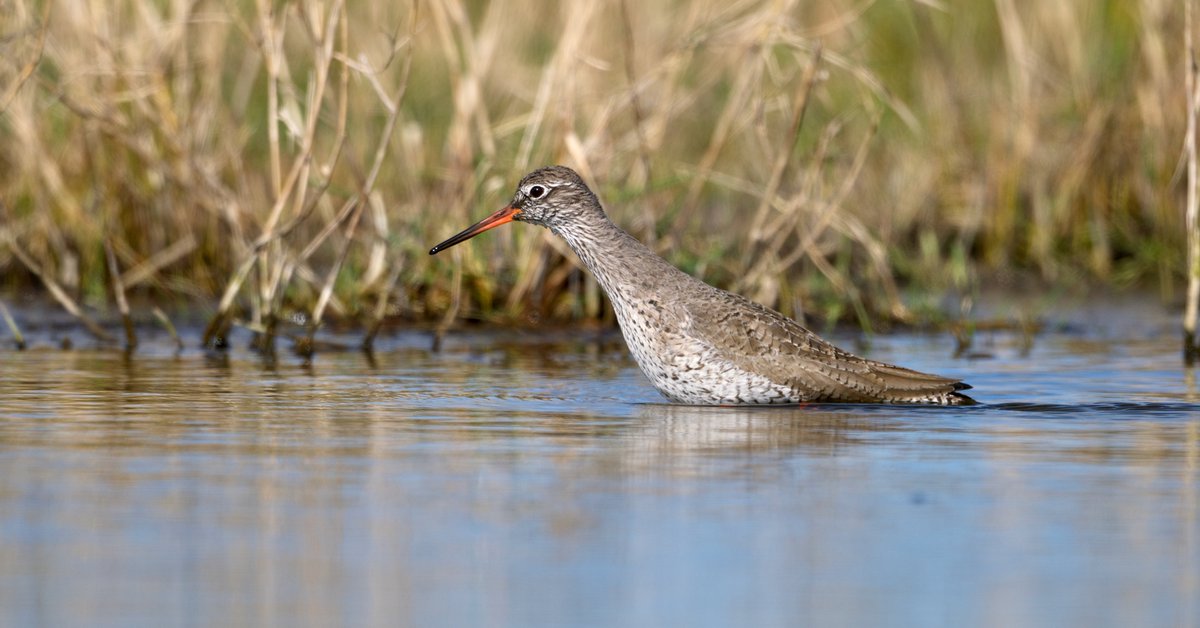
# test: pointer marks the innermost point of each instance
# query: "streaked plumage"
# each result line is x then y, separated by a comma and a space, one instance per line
698, 344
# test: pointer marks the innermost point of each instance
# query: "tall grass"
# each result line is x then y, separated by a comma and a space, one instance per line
293, 160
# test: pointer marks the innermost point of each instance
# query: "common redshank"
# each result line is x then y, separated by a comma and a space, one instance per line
698, 344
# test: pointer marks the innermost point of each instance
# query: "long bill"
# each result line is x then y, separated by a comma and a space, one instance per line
501, 217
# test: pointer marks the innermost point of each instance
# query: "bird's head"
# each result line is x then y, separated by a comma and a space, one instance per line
552, 197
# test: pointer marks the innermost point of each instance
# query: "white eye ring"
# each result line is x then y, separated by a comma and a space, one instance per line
537, 191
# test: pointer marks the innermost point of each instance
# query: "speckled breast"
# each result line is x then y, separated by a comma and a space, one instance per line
685, 370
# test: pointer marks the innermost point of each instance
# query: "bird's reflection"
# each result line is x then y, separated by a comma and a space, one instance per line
824, 428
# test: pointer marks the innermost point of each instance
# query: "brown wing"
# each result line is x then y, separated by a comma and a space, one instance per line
760, 340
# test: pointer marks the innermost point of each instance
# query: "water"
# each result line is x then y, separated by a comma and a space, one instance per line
525, 480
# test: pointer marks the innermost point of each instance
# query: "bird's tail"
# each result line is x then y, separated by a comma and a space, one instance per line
901, 385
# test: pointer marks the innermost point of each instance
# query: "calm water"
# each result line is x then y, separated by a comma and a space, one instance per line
518, 480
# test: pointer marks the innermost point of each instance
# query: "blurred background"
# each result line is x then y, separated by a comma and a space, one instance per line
836, 159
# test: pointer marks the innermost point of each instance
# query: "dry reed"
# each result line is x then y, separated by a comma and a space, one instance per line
1192, 206
13, 328
292, 161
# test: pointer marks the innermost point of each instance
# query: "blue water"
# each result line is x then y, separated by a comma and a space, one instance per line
537, 480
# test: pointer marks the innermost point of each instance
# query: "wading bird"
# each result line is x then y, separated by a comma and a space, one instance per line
698, 344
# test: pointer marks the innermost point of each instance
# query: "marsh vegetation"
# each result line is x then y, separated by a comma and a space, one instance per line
844, 159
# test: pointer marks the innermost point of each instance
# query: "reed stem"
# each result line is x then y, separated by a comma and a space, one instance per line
118, 289
1190, 348
12, 326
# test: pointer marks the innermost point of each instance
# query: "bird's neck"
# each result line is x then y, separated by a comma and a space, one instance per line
619, 261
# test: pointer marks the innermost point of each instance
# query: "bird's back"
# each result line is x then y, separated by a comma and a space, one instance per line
759, 340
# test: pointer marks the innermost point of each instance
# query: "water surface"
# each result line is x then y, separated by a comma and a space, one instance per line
535, 479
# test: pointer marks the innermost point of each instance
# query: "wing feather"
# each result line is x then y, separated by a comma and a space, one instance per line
757, 339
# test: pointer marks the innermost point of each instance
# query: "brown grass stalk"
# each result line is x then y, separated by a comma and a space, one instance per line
268, 251
363, 200
118, 290
155, 264
1191, 349
11, 323
59, 294
165, 321
379, 312
786, 150
27, 70
740, 94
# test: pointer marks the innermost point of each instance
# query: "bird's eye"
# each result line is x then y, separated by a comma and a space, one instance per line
536, 191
